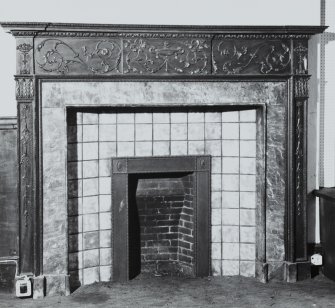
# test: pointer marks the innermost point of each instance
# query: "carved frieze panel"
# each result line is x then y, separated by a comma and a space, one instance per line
83, 56
233, 56
166, 56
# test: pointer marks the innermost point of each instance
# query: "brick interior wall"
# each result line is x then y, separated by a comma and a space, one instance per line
94, 137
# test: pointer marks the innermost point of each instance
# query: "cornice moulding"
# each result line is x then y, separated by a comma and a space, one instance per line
78, 29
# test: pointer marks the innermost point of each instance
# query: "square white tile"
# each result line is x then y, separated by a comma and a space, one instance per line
230, 131
107, 150
230, 268
230, 217
230, 165
124, 118
230, 148
230, 199
230, 234
196, 148
179, 131
230, 251
178, 147
247, 217
196, 131
143, 132
125, 149
230, 116
161, 132
248, 131
125, 132
161, 148
230, 182
107, 132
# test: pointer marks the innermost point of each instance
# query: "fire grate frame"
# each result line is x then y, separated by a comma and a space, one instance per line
121, 168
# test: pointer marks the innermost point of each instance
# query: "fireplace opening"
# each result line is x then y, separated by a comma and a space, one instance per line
161, 224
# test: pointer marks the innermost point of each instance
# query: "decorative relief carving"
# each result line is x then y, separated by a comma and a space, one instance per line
190, 57
18, 33
301, 87
202, 163
97, 57
24, 88
232, 57
125, 35
262, 36
299, 156
300, 59
120, 166
25, 50
25, 158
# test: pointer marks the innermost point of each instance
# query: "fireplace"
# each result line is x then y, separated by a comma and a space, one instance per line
122, 128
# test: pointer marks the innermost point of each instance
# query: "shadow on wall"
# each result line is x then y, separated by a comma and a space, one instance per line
316, 124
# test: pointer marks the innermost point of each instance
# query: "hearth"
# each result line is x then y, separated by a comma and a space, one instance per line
107, 114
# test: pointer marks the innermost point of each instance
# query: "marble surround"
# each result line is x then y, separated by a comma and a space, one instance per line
270, 99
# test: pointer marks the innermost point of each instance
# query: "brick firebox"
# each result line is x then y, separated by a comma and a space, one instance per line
161, 224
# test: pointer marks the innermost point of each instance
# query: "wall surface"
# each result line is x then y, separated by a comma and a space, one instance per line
8, 194
9, 226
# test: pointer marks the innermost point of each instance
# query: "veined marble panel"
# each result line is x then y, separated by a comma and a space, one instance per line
57, 96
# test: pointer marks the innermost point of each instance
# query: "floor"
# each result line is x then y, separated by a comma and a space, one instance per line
181, 292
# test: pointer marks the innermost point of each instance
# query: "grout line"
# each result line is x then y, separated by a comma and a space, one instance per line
82, 199
239, 193
221, 199
99, 193
170, 133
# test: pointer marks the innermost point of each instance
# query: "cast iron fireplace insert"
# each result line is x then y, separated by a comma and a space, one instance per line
126, 235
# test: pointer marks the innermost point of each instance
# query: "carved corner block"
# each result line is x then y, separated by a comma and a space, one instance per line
24, 56
24, 89
301, 87
203, 163
119, 166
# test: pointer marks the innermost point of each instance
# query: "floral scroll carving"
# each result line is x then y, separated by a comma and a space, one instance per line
231, 57
299, 156
25, 158
96, 57
149, 56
